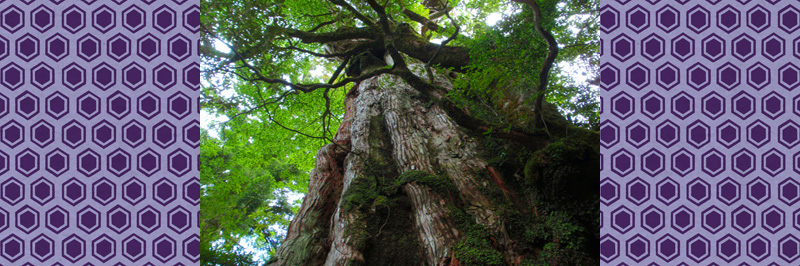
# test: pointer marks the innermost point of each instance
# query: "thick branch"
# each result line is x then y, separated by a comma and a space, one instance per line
325, 37
410, 43
420, 19
419, 48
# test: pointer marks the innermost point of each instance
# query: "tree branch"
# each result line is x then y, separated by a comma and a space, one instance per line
445, 42
343, 34
367, 21
420, 19
323, 24
552, 47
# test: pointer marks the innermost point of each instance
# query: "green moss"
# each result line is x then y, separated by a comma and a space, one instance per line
360, 194
474, 247
438, 183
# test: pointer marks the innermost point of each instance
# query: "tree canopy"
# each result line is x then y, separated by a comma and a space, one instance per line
276, 73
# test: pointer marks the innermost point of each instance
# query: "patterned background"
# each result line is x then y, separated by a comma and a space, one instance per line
700, 132
99, 132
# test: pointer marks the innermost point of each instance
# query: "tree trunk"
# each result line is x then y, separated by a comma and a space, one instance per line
402, 184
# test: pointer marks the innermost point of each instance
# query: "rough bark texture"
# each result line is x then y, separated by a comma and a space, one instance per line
395, 187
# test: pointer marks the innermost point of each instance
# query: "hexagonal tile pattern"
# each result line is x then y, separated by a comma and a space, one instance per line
57, 105
713, 162
609, 248
164, 19
789, 76
118, 47
103, 191
42, 248
609, 191
758, 18
56, 162
682, 219
73, 19
180, 47
653, 47
713, 47
13, 248
789, 134
133, 18
103, 18
180, 162
133, 191
638, 191
42, 191
667, 18
758, 247
118, 105
789, 191
148, 219
42, 76
103, 248
728, 19
682, 47
104, 76
728, 248
653, 162
789, 19
743, 47
88, 220
13, 76
96, 97
133, 76
609, 19
149, 47
27, 47
728, 191
57, 47
713, 219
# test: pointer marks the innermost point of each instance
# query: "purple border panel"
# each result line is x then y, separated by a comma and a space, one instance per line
700, 132
99, 132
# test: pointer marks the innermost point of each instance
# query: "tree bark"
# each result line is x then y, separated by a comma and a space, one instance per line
402, 184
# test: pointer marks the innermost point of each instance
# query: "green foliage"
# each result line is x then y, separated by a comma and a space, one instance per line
507, 58
564, 239
210, 256
245, 191
474, 248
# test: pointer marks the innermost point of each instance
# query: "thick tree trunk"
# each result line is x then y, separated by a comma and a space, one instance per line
402, 184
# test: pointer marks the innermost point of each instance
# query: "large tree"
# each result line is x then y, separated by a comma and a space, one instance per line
442, 138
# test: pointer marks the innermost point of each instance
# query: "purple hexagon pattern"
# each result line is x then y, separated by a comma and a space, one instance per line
704, 170
99, 129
